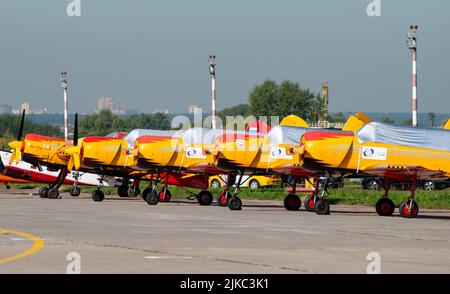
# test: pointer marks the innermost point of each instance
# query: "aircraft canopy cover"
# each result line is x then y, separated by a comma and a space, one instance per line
286, 135
437, 139
136, 133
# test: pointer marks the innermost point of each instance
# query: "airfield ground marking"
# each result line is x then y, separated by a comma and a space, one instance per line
38, 244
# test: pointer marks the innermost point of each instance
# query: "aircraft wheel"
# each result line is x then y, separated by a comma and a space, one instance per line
409, 209
222, 199
75, 191
151, 197
322, 206
98, 195
43, 192
205, 197
234, 203
134, 191
310, 203
385, 207
53, 193
122, 191
165, 195
292, 202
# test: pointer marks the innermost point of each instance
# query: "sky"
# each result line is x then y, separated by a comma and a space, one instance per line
154, 54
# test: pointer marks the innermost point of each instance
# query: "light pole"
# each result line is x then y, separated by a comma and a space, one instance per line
64, 87
212, 72
412, 45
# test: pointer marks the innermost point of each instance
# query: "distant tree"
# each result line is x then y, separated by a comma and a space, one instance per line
432, 118
9, 127
240, 109
272, 99
407, 122
105, 122
337, 117
387, 120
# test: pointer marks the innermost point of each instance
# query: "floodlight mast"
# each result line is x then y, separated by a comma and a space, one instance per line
412, 45
64, 86
212, 72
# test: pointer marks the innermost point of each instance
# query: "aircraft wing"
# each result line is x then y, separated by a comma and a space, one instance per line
405, 172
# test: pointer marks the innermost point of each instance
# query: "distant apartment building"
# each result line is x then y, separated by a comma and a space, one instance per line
107, 103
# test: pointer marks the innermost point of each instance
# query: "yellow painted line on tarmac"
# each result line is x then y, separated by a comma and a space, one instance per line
38, 244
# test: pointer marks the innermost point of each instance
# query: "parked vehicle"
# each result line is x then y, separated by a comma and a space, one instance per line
377, 183
252, 182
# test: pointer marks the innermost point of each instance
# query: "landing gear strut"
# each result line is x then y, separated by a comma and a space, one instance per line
98, 194
323, 205
75, 191
409, 208
149, 194
52, 192
234, 202
311, 200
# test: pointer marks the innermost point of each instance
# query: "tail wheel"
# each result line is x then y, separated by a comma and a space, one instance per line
205, 197
409, 209
165, 195
234, 203
310, 202
222, 200
98, 196
385, 207
53, 193
322, 207
75, 191
43, 192
151, 197
292, 202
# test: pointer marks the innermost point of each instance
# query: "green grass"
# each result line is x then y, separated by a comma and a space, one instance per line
351, 195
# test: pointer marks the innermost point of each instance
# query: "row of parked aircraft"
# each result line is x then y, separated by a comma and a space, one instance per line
187, 158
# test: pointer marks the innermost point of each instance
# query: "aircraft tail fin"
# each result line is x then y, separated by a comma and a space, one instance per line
447, 125
356, 122
294, 121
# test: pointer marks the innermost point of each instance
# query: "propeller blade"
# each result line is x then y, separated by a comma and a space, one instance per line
11, 159
17, 155
76, 160
19, 135
70, 164
75, 131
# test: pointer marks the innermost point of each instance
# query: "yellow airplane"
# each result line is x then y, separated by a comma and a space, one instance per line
396, 153
103, 155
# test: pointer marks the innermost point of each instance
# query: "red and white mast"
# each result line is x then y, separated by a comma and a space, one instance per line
64, 86
412, 45
212, 72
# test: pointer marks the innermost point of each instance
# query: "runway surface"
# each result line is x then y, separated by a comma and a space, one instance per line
129, 236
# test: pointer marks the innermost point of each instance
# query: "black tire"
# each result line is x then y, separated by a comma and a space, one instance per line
98, 195
164, 196
43, 192
310, 204
215, 184
53, 193
205, 198
234, 203
145, 192
134, 191
122, 191
409, 213
385, 207
373, 185
292, 202
151, 197
75, 192
322, 207
254, 185
429, 186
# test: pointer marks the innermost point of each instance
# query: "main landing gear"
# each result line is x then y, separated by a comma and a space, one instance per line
233, 201
292, 202
75, 191
98, 194
408, 209
322, 206
52, 191
149, 194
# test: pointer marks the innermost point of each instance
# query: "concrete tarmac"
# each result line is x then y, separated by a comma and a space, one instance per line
129, 236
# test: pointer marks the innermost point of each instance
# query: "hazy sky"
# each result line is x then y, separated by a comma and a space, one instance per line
153, 54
